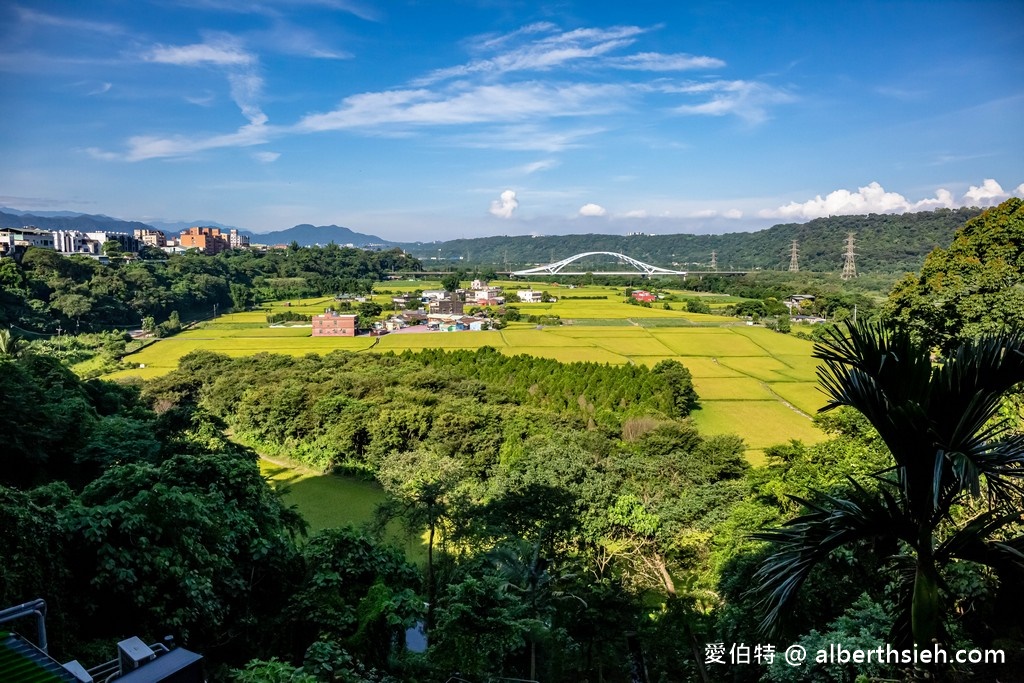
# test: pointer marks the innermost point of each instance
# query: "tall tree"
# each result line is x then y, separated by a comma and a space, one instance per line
975, 286
949, 446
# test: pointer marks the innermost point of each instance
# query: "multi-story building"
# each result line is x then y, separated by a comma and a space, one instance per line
19, 239
451, 306
331, 324
74, 242
129, 243
529, 296
152, 238
207, 240
237, 240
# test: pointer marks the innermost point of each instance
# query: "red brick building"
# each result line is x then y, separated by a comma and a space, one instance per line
331, 324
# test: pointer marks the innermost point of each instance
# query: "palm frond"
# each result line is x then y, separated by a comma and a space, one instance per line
972, 542
805, 541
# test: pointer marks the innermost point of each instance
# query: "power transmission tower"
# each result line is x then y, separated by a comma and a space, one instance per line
714, 260
794, 252
850, 262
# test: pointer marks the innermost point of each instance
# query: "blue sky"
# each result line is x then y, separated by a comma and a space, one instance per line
439, 119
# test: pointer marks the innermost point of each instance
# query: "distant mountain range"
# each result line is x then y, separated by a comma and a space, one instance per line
304, 234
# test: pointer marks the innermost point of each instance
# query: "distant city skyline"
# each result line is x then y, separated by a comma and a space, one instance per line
430, 121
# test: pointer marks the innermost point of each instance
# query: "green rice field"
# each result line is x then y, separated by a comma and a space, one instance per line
751, 381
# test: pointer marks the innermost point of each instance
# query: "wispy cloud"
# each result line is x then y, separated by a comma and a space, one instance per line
35, 18
542, 54
516, 94
225, 52
230, 53
142, 147
747, 100
266, 157
476, 104
275, 8
526, 138
534, 167
656, 61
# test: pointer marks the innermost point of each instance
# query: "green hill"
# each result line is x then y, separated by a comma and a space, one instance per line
885, 243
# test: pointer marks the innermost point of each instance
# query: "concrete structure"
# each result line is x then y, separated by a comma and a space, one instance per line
529, 296
129, 243
446, 306
237, 240
208, 240
152, 238
331, 324
25, 237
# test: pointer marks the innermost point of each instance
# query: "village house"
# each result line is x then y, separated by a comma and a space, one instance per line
529, 296
643, 296
331, 324
446, 306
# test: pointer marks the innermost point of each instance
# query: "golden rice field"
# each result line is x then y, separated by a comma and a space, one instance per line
752, 381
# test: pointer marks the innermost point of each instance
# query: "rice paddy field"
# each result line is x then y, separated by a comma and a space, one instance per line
751, 381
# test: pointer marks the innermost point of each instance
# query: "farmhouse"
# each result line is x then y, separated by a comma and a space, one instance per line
643, 296
529, 296
331, 324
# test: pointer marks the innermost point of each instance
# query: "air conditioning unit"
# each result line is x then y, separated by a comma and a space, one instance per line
133, 653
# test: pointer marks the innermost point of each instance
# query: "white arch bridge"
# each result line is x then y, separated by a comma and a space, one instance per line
556, 268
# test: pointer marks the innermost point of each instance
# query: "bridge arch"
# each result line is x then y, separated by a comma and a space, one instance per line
639, 266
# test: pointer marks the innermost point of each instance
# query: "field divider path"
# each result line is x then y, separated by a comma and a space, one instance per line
784, 402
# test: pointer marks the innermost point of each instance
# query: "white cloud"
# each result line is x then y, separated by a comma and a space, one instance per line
1019, 192
656, 61
592, 210
100, 89
505, 206
873, 198
636, 213
734, 214
990, 192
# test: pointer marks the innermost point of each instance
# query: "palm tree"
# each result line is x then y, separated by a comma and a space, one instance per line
949, 445
10, 345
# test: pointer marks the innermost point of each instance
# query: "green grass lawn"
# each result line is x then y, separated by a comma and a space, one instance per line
327, 501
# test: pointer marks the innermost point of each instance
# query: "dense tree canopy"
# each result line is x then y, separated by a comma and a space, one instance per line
973, 287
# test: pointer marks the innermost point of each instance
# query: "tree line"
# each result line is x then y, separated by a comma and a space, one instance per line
47, 290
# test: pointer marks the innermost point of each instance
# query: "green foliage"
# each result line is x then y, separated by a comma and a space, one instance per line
947, 443
973, 287
287, 316
47, 290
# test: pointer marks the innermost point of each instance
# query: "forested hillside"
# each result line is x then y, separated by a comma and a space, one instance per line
886, 243
47, 290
